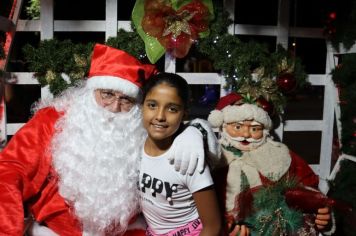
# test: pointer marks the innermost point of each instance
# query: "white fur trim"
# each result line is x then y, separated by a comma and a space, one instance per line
332, 230
216, 118
269, 160
246, 112
115, 83
40, 230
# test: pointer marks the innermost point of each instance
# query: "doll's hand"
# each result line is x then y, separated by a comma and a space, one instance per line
323, 218
187, 151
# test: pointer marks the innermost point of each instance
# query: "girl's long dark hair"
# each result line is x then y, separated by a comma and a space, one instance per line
173, 80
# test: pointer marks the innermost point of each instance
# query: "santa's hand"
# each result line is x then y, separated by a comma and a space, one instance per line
241, 230
187, 151
212, 142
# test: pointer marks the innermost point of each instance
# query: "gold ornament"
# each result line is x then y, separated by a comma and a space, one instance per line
285, 67
176, 24
50, 76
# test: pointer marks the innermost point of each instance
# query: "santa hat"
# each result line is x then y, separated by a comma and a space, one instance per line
115, 69
227, 112
229, 99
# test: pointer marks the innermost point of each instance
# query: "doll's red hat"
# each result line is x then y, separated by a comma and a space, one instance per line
115, 69
229, 99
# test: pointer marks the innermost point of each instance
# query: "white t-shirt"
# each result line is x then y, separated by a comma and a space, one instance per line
166, 195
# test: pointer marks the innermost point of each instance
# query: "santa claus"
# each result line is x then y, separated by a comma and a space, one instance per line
251, 159
73, 167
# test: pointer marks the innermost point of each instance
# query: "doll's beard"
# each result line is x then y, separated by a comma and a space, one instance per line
239, 142
96, 156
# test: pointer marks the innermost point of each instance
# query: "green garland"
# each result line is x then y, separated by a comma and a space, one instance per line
272, 214
344, 78
33, 9
342, 29
236, 60
129, 42
343, 188
55, 60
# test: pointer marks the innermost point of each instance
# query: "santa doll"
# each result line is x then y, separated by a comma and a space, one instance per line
251, 159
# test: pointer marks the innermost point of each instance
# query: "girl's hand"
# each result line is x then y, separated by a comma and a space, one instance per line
240, 230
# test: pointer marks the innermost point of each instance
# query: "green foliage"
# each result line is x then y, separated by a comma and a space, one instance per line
129, 42
61, 64
272, 215
343, 188
238, 61
52, 59
344, 24
33, 10
344, 78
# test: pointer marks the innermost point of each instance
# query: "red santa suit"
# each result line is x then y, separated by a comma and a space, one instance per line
29, 182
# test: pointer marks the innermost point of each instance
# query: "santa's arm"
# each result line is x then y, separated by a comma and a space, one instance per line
23, 170
188, 149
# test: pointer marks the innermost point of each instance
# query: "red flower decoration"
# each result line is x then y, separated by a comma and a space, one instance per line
175, 30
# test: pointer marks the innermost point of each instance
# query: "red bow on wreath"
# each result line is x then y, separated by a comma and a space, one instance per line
175, 26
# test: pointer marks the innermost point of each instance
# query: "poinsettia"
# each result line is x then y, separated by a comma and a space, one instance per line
174, 24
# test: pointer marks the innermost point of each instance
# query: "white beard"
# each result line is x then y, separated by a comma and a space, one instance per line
96, 155
227, 140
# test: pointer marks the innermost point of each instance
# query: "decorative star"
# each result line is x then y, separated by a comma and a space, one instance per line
178, 23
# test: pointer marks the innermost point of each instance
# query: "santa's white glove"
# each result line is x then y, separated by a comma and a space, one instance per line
40, 230
187, 151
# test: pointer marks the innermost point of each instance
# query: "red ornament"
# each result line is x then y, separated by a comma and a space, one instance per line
286, 82
332, 15
175, 30
265, 105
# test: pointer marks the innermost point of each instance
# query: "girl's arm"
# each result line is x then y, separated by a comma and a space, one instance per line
208, 210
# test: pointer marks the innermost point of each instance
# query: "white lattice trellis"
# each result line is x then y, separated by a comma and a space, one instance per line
282, 31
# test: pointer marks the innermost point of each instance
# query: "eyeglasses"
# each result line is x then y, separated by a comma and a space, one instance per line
109, 97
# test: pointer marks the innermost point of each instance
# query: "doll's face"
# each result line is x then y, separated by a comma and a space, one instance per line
246, 129
246, 135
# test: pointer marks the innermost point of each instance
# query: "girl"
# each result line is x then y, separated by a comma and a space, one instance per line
173, 204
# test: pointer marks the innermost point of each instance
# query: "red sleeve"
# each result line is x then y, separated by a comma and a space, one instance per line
135, 232
302, 170
24, 166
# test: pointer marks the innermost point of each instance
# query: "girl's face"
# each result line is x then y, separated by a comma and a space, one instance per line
163, 111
